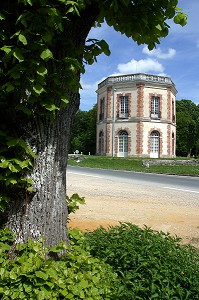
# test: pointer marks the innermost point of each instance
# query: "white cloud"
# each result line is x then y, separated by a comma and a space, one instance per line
86, 87
142, 66
159, 53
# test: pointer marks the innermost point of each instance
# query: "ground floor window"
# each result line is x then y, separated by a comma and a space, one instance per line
154, 144
123, 143
101, 143
173, 144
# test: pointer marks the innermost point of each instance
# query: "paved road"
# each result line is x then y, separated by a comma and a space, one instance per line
163, 202
185, 184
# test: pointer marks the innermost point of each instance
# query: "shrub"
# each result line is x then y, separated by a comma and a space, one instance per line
73, 203
150, 264
30, 275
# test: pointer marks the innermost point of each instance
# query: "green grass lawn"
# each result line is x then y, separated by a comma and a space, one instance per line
133, 164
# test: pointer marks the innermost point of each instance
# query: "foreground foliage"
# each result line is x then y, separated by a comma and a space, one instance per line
124, 262
27, 274
150, 264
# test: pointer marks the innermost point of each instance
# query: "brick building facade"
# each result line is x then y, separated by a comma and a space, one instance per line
136, 116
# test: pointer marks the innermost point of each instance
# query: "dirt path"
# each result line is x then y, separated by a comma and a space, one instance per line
108, 203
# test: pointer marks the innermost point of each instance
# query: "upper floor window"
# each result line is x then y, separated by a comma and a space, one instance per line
155, 107
123, 107
173, 112
102, 109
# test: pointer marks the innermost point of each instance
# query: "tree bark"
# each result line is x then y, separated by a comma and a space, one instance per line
43, 214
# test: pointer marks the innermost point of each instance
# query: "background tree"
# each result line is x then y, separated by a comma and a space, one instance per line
43, 48
187, 118
83, 137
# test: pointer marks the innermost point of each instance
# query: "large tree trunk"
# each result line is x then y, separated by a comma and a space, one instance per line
43, 213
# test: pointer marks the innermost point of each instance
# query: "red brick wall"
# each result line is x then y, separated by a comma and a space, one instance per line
108, 103
169, 150
169, 108
139, 138
140, 100
108, 138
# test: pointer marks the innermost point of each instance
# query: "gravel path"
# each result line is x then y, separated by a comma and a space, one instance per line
108, 203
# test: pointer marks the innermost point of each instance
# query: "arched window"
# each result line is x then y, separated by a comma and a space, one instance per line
101, 143
123, 143
154, 144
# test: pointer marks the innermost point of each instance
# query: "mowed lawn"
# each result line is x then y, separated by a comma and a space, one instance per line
135, 164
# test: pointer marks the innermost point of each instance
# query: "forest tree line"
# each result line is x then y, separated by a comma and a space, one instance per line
187, 130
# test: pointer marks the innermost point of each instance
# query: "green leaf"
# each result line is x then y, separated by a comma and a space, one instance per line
13, 274
41, 274
18, 54
22, 39
38, 88
10, 87
6, 49
181, 19
2, 17
65, 100
46, 54
4, 164
12, 181
51, 107
22, 144
12, 142
13, 168
42, 70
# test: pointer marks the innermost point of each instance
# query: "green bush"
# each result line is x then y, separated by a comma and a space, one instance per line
123, 262
26, 273
150, 264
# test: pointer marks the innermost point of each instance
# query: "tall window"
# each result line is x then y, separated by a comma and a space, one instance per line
155, 107
173, 144
123, 106
123, 143
101, 143
154, 144
102, 109
173, 112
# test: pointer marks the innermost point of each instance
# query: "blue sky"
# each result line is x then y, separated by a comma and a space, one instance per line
177, 56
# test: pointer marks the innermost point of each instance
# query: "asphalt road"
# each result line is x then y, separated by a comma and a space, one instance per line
162, 202
185, 184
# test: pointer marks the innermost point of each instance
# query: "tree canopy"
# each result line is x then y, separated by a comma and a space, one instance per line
83, 136
187, 134
44, 48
